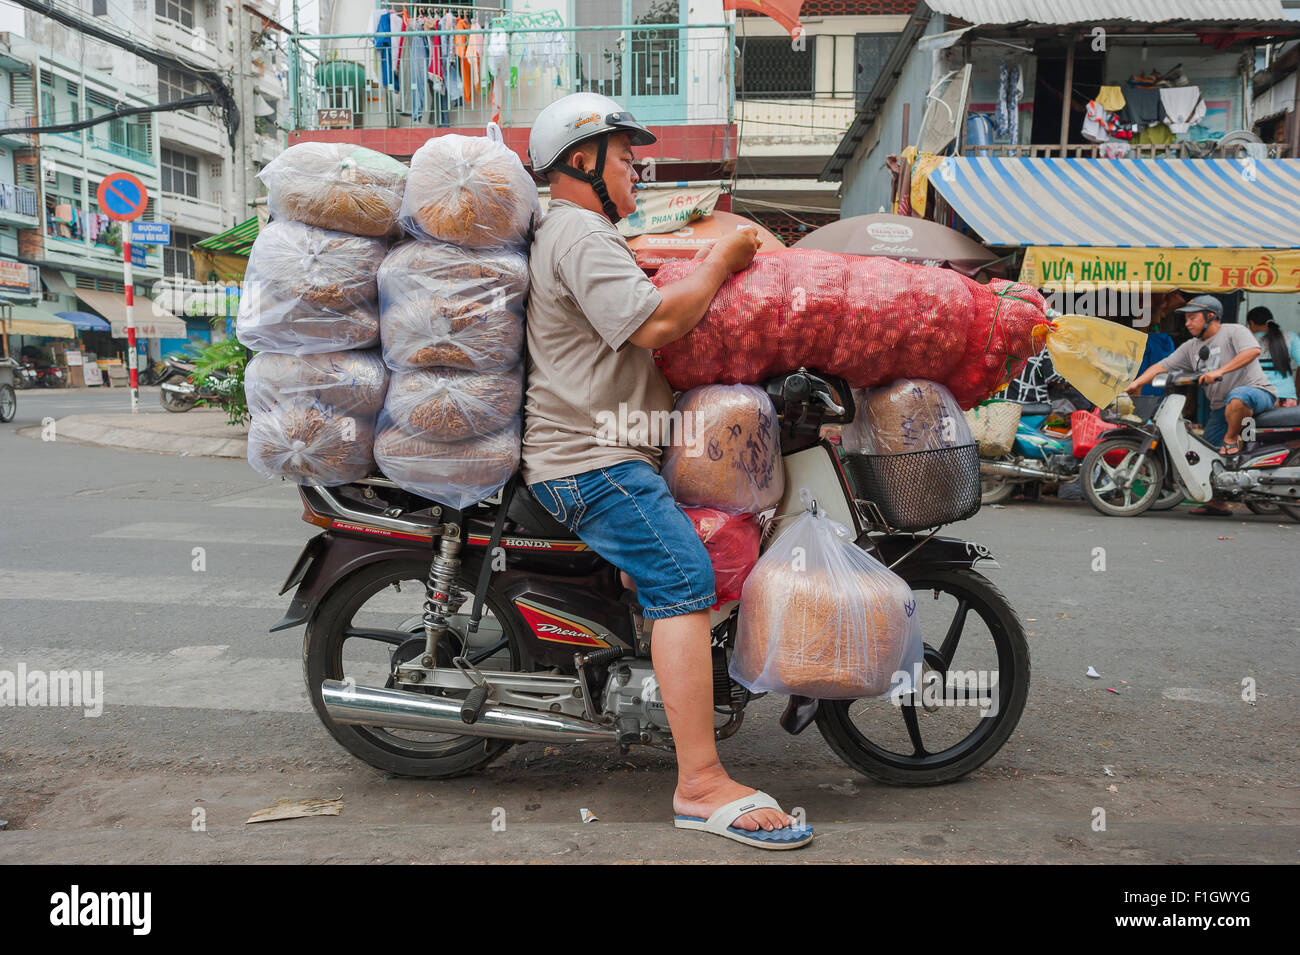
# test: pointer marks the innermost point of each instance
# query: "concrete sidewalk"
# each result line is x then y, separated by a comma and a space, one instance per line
200, 431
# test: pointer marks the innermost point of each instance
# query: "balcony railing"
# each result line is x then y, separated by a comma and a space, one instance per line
17, 199
11, 115
1187, 150
662, 73
122, 149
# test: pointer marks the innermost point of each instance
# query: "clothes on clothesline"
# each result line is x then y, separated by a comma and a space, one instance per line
1011, 87
1110, 98
1182, 106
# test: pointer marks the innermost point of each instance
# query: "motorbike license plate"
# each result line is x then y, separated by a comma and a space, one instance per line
302, 564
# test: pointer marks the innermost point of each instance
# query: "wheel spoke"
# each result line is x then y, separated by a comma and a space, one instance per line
914, 731
955, 628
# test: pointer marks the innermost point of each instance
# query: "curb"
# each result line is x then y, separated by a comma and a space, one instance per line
135, 438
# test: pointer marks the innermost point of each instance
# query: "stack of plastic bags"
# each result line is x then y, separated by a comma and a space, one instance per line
451, 306
310, 308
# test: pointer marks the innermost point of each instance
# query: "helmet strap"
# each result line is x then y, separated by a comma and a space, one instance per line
595, 179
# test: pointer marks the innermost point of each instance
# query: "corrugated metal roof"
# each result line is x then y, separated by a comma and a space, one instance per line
237, 240
1084, 11
1142, 203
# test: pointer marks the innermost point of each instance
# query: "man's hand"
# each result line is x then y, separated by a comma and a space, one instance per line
736, 250
1133, 389
1211, 376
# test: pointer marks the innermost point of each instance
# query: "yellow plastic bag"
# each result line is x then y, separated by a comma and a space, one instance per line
1097, 356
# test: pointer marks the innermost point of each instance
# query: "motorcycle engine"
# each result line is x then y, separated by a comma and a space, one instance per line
632, 697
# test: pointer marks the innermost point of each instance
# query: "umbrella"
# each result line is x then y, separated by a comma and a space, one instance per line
654, 250
84, 321
907, 239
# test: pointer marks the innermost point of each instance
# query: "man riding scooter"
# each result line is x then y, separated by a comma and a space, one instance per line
593, 318
1232, 377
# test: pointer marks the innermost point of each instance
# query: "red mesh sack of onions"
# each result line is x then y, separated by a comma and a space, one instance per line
867, 319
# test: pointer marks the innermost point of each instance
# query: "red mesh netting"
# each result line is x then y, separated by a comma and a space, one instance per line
867, 319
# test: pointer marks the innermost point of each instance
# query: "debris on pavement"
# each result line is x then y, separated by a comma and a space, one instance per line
588, 816
298, 809
1094, 674
1108, 771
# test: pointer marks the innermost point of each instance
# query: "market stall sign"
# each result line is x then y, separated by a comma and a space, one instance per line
1162, 270
666, 210
15, 275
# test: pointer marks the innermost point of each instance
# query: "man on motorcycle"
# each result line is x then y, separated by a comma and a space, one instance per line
1235, 383
593, 318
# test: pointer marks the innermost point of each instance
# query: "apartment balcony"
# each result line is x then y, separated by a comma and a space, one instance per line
676, 79
1185, 150
267, 147
191, 214
196, 44
11, 115
84, 255
192, 130
18, 206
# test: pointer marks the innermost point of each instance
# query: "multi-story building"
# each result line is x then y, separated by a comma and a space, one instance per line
19, 199
198, 183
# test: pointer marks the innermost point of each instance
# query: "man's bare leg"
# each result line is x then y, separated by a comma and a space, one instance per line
1236, 412
683, 664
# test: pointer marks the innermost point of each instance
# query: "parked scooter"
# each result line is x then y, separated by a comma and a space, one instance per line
8, 378
177, 391
1038, 457
1131, 468
24, 374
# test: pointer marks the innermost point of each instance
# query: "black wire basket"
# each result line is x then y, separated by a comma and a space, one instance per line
917, 490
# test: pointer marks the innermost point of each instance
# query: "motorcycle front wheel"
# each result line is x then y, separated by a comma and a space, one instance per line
995, 488
1110, 483
8, 403
372, 621
975, 648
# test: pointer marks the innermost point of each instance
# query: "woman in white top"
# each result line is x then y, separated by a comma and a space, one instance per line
1279, 355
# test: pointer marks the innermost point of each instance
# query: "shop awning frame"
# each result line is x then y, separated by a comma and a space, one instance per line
237, 240
1126, 203
84, 321
29, 320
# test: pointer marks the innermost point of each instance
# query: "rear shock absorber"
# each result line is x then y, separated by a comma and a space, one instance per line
439, 590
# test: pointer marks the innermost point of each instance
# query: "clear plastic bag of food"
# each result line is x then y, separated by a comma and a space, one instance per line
471, 191
449, 405
310, 290
311, 443
724, 450
732, 541
446, 307
353, 380
909, 414
338, 186
455, 474
822, 618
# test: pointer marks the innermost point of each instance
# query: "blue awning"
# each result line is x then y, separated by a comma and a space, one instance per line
84, 321
1126, 203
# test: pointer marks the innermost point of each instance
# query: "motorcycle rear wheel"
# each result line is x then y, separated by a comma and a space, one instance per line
995, 488
1291, 510
173, 402
8, 403
895, 748
399, 752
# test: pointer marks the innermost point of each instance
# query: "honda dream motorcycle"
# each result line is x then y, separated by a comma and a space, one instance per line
436, 638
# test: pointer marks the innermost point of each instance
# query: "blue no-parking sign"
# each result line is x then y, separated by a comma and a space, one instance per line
122, 197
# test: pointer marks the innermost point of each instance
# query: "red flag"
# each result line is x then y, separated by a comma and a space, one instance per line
784, 12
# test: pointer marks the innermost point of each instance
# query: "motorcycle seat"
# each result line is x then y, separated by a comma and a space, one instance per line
1036, 408
1279, 418
532, 518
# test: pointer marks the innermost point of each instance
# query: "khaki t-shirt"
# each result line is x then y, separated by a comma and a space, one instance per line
1224, 346
590, 392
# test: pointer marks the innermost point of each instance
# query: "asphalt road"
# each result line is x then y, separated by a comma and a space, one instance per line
204, 710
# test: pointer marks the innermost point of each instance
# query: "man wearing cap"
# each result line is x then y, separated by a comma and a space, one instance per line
1231, 375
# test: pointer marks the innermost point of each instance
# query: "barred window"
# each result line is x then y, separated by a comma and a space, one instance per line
176, 256
775, 67
180, 173
180, 11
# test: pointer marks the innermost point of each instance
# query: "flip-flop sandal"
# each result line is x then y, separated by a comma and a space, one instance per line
1204, 511
790, 837
1235, 449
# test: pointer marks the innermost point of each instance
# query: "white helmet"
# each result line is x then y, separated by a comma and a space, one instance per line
575, 119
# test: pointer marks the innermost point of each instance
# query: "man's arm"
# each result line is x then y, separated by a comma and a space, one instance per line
686, 300
1238, 360
1145, 377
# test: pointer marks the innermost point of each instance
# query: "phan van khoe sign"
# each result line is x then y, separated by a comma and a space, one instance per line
1162, 270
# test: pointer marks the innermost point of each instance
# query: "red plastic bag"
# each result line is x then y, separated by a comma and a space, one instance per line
732, 542
867, 319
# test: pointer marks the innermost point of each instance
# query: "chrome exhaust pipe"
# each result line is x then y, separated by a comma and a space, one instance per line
375, 706
1015, 470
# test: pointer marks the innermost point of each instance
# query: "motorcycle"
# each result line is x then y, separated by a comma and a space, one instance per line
177, 391
8, 378
50, 376
1038, 457
1124, 473
24, 374
437, 638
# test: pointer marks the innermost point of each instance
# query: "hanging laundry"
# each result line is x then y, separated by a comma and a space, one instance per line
1095, 123
461, 46
1182, 106
476, 71
397, 25
1110, 98
418, 71
925, 164
1158, 134
1006, 118
384, 45
1114, 150
1141, 104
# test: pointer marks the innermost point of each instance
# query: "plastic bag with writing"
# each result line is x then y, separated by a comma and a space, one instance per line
906, 415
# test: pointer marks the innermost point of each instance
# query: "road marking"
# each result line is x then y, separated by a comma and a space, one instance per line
260, 502
1192, 694
199, 534
199, 590
202, 678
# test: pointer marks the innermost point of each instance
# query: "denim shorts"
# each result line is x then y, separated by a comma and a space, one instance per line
626, 515
1257, 399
